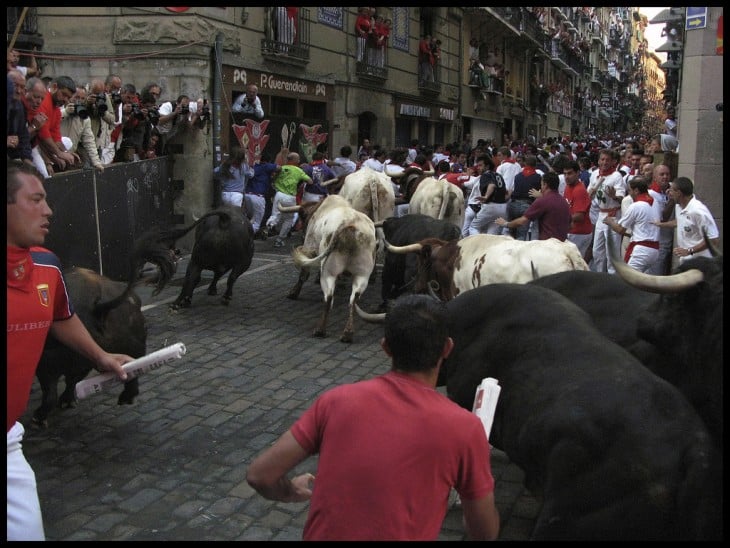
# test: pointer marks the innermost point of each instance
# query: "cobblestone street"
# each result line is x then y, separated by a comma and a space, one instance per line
172, 466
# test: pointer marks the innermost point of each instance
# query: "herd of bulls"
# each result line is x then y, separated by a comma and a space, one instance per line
611, 397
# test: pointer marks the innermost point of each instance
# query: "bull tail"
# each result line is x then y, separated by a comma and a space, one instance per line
444, 201
302, 261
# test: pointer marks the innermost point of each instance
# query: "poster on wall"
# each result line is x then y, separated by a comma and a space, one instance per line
281, 132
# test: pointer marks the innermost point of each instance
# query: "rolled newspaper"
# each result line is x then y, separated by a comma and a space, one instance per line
485, 402
135, 368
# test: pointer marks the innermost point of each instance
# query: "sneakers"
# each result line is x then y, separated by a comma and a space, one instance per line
279, 242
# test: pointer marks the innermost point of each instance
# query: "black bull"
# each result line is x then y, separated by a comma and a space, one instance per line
613, 451
677, 335
400, 269
112, 313
223, 242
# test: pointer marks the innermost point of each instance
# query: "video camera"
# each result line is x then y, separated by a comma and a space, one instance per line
137, 112
80, 110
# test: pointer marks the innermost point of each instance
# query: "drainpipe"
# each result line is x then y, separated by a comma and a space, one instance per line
215, 112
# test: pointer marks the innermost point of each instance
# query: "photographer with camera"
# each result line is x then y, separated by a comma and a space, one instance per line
136, 120
103, 120
76, 127
177, 116
249, 103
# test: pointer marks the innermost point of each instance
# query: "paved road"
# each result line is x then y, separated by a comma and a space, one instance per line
172, 466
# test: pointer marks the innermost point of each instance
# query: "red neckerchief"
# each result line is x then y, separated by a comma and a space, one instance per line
528, 171
317, 162
644, 197
655, 187
20, 266
606, 173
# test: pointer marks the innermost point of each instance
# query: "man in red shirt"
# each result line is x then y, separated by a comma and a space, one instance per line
581, 228
390, 448
49, 135
37, 304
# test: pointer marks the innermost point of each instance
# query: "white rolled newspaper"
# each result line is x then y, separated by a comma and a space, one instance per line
135, 368
485, 402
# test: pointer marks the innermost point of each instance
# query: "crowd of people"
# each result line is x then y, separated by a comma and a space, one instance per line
57, 124
585, 190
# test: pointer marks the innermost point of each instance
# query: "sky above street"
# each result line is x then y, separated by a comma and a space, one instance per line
654, 32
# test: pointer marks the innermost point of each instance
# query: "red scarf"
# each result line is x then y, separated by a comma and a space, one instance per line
655, 187
528, 171
644, 198
606, 173
19, 268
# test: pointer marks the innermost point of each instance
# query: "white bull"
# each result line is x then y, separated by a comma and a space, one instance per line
450, 268
439, 199
338, 239
370, 192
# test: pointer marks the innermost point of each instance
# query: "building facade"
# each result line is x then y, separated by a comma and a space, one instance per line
545, 71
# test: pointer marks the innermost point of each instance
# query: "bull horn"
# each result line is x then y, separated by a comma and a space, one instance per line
368, 316
331, 181
379, 224
433, 288
535, 275
392, 174
674, 283
288, 209
429, 173
411, 248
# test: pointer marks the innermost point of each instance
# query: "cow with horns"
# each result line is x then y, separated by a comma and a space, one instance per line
399, 270
612, 451
407, 180
340, 240
452, 267
673, 324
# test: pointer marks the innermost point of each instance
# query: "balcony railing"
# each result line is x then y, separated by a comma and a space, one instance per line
530, 27
288, 49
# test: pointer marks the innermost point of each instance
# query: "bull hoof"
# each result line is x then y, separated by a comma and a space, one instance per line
226, 301
319, 333
125, 400
293, 296
346, 337
180, 304
67, 404
212, 291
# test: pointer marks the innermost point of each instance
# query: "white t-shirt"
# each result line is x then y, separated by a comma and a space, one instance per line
690, 222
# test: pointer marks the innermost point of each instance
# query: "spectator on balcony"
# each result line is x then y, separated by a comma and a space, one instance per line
286, 26
27, 72
435, 55
363, 29
381, 32
425, 61
670, 123
249, 103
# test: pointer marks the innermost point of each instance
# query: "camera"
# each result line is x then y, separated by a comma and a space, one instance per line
116, 97
184, 110
98, 104
154, 116
137, 112
205, 112
81, 111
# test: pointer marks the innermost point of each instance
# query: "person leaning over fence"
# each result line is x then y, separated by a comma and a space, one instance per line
49, 135
390, 449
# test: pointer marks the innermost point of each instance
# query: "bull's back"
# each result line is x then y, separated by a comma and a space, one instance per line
610, 444
223, 241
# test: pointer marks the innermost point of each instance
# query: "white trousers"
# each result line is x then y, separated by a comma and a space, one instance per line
254, 206
286, 219
234, 199
601, 262
483, 222
25, 521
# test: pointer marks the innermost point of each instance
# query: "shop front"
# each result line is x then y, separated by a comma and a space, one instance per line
429, 123
296, 114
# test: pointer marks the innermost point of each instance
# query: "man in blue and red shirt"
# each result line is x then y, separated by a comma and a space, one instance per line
37, 302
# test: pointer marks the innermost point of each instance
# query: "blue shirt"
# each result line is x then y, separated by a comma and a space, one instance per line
260, 183
237, 180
